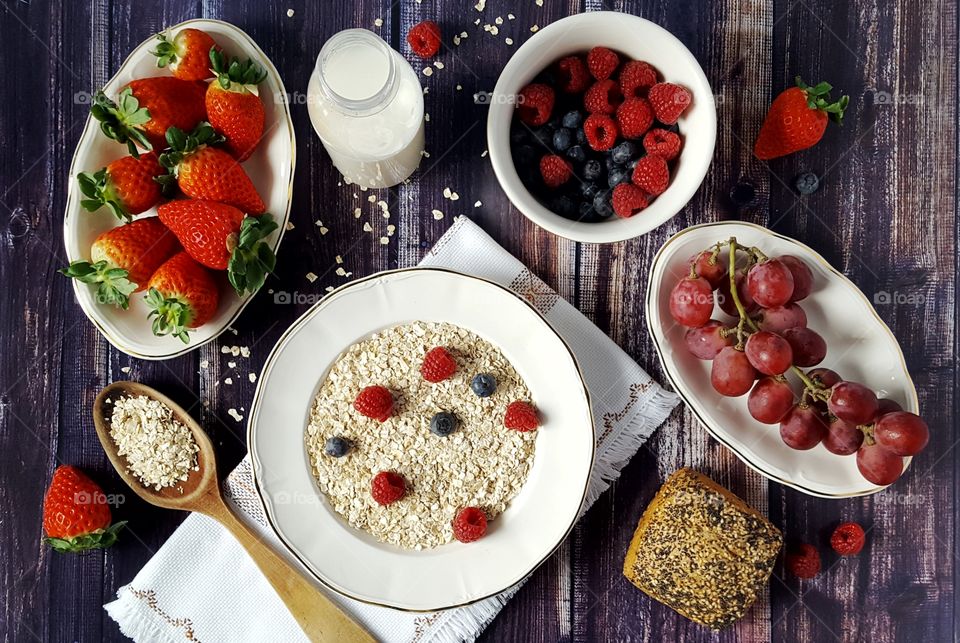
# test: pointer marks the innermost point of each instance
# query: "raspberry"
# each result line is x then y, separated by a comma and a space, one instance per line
535, 103
387, 487
636, 78
554, 170
602, 62
573, 75
669, 101
469, 524
662, 143
651, 175
628, 199
602, 97
803, 561
438, 365
848, 539
374, 402
634, 116
520, 416
424, 39
601, 131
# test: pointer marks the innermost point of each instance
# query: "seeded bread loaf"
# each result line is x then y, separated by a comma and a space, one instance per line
701, 550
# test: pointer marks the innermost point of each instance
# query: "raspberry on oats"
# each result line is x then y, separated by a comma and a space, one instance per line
601, 131
438, 365
387, 487
602, 62
424, 39
374, 402
573, 75
663, 143
602, 97
535, 104
651, 175
634, 116
469, 525
636, 78
848, 539
521, 416
628, 199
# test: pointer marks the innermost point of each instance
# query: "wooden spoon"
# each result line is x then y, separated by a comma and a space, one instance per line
320, 619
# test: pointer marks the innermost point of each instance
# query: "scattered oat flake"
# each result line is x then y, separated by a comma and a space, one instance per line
235, 415
477, 204
224, 349
535, 28
438, 64
378, 22
463, 34
367, 227
384, 241
341, 272
510, 16
338, 259
231, 364
289, 226
244, 351
509, 41
357, 213
456, 39
428, 71
124, 369
480, 5
483, 154
459, 87
372, 198
329, 288
252, 377
426, 117
228, 380
498, 20
204, 363
454, 196
311, 277
324, 230
391, 229
477, 21
290, 13
437, 214
446, 193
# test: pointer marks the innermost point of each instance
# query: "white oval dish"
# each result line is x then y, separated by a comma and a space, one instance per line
353, 562
859, 347
641, 40
270, 168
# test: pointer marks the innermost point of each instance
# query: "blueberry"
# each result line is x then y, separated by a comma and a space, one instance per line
543, 136
622, 153
806, 183
601, 204
589, 190
609, 162
336, 447
483, 384
562, 139
617, 176
592, 170
443, 424
564, 206
743, 194
572, 119
581, 136
576, 154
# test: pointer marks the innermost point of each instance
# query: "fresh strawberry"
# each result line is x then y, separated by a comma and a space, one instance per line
555, 170
76, 516
187, 56
182, 294
662, 143
221, 237
601, 131
628, 200
535, 103
521, 416
602, 62
603, 97
126, 186
209, 173
234, 108
147, 107
669, 101
122, 259
797, 120
651, 175
634, 116
573, 75
636, 78
424, 39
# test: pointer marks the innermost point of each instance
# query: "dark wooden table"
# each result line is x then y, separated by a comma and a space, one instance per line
885, 216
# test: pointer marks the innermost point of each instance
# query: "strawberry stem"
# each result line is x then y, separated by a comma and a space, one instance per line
818, 98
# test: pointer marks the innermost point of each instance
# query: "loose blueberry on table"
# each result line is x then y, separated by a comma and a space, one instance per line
596, 135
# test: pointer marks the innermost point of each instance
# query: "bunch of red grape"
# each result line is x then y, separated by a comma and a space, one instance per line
770, 338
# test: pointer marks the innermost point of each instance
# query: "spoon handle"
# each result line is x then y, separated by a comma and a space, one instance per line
318, 617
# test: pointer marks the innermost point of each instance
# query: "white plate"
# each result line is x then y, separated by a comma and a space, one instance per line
859, 347
270, 168
352, 561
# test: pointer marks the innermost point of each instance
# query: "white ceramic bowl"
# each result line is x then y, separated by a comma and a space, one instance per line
638, 39
270, 168
352, 561
859, 347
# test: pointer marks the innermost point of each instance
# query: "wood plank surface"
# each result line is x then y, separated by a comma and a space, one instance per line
886, 215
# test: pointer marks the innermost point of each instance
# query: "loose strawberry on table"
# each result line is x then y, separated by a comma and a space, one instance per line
126, 186
123, 259
234, 108
147, 107
187, 55
76, 516
182, 294
797, 120
221, 237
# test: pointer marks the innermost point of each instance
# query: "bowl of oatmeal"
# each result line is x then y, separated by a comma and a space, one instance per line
421, 439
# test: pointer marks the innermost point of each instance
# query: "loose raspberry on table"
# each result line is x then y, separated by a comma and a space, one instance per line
669, 101
601, 131
651, 175
521, 416
572, 75
602, 97
602, 62
374, 402
438, 365
636, 78
634, 116
628, 200
803, 561
848, 539
469, 524
663, 143
555, 170
424, 39
535, 103
387, 487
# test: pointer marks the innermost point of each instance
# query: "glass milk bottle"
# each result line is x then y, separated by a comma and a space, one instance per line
366, 105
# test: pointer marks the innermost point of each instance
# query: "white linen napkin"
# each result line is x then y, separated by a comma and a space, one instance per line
201, 586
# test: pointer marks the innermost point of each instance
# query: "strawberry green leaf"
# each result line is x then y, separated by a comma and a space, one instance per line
121, 120
99, 539
114, 287
98, 187
253, 259
170, 315
244, 75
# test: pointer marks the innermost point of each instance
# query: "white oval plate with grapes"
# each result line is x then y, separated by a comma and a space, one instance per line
859, 347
